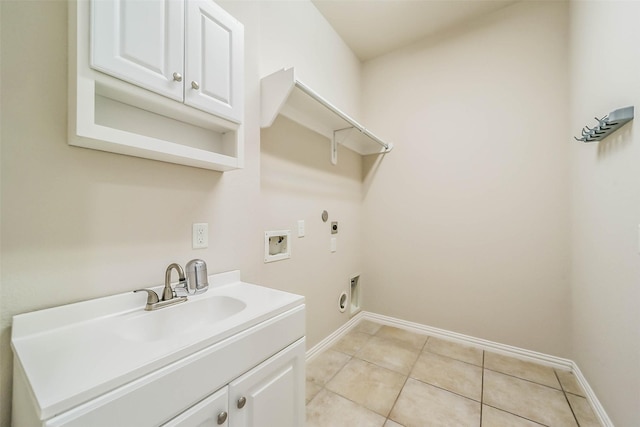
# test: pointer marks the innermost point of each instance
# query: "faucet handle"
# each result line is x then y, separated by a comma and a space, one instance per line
152, 297
181, 289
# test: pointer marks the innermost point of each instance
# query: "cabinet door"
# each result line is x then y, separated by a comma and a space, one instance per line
141, 42
214, 60
212, 411
272, 394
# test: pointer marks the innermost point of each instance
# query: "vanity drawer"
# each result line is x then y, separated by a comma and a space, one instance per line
157, 397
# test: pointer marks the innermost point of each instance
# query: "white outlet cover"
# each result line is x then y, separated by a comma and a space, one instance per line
301, 228
200, 235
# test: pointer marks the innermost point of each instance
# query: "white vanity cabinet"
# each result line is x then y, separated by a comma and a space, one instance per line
271, 394
187, 50
235, 358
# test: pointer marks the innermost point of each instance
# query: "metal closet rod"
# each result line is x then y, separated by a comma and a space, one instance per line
342, 115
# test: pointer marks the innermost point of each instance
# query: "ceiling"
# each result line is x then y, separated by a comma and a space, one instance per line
374, 27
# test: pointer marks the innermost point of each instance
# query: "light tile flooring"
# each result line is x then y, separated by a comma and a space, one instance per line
381, 376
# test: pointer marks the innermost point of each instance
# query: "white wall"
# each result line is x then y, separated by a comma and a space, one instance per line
80, 224
605, 70
467, 219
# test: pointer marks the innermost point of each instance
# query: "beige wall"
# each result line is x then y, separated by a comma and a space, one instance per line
466, 221
80, 224
605, 70
294, 34
299, 182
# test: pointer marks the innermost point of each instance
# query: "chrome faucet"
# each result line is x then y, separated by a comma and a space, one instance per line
169, 295
196, 278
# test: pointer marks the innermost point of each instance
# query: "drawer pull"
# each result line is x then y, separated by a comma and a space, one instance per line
222, 417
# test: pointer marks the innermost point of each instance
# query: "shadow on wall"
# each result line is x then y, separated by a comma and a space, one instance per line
297, 160
370, 166
615, 142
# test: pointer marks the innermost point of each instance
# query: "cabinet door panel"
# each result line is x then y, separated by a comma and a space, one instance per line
214, 63
141, 42
205, 413
273, 392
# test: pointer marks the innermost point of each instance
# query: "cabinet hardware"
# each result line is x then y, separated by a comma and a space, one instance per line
222, 417
241, 402
195, 85
177, 77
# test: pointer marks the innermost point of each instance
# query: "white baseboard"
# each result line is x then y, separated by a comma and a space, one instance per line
520, 353
531, 356
333, 338
591, 397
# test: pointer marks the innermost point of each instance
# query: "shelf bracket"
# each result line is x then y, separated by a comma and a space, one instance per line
339, 136
334, 149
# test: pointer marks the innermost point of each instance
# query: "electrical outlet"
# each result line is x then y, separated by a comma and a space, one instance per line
200, 235
301, 228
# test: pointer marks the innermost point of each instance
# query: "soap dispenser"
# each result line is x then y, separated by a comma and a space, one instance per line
197, 278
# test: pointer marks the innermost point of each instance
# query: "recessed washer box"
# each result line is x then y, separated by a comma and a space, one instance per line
277, 245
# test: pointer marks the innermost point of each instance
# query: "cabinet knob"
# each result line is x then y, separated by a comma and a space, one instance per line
177, 77
222, 417
195, 85
241, 402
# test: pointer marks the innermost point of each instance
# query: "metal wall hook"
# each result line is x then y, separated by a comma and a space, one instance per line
602, 123
606, 125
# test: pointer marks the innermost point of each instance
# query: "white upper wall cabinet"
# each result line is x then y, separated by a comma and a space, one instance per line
189, 50
157, 79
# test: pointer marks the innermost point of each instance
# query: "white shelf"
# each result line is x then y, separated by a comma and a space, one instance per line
282, 93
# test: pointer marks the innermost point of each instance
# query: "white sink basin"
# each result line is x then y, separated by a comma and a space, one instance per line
60, 348
165, 323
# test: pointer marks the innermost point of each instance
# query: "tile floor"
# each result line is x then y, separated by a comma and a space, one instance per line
381, 376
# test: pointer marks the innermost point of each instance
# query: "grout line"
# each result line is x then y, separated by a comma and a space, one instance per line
564, 393
482, 389
516, 415
406, 379
444, 389
425, 350
525, 379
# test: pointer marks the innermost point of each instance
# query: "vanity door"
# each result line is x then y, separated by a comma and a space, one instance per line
212, 411
271, 394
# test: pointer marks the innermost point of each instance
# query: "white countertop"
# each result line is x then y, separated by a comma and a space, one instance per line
76, 352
